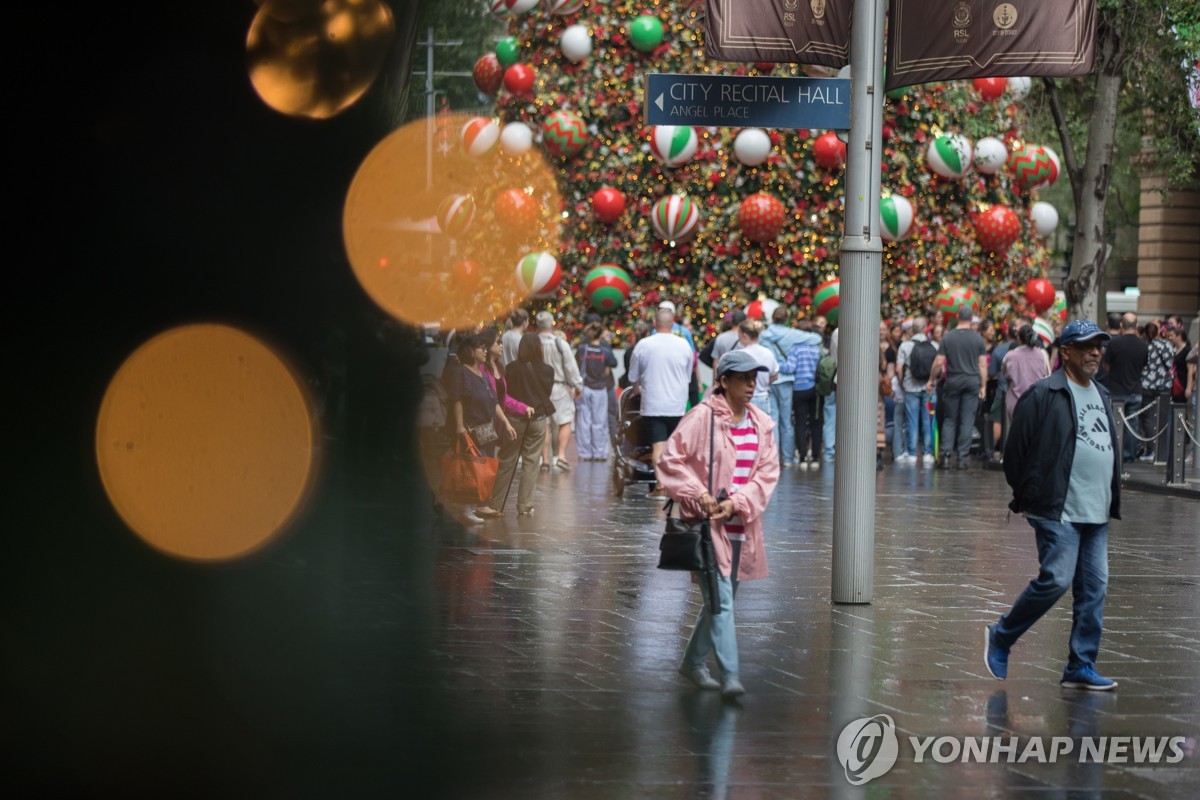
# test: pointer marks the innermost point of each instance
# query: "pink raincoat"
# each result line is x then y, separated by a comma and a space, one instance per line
683, 472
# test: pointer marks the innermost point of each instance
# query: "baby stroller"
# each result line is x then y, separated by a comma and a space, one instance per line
631, 460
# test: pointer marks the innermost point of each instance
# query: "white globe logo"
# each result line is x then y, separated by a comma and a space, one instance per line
867, 748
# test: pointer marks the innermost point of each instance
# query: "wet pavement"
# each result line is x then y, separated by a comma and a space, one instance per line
557, 642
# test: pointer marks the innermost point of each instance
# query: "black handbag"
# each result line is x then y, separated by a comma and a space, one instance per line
686, 545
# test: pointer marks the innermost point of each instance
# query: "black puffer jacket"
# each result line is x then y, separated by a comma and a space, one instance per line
1041, 448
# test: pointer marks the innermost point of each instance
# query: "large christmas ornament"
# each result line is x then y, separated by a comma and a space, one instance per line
516, 210
895, 218
564, 133
1044, 331
608, 204
1018, 88
516, 139
990, 88
575, 43
826, 300
990, 155
1045, 218
538, 274
479, 136
564, 7
997, 228
949, 301
1039, 294
1031, 166
508, 51
752, 146
455, 214
607, 287
761, 216
646, 33
521, 6
676, 218
1055, 168
949, 155
519, 79
762, 308
488, 74
673, 144
829, 151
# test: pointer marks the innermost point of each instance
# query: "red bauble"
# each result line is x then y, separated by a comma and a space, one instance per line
990, 88
997, 228
466, 271
829, 151
519, 79
608, 204
764, 65
515, 209
761, 216
1039, 293
488, 74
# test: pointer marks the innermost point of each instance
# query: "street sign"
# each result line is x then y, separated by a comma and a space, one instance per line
747, 102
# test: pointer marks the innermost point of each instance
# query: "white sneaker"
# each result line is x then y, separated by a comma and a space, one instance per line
927, 460
907, 458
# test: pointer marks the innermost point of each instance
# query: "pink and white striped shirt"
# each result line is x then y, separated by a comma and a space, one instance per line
745, 442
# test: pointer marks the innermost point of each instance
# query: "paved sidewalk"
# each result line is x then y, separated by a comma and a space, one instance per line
560, 640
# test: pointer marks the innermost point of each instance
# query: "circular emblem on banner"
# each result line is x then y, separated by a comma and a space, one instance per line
818, 8
962, 15
1005, 16
867, 748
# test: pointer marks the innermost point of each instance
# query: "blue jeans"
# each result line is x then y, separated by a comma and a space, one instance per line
716, 632
918, 420
1133, 403
828, 432
1071, 555
781, 415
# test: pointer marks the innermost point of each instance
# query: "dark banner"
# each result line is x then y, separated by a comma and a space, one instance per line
944, 40
785, 31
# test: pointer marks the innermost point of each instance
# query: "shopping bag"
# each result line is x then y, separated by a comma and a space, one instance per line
467, 475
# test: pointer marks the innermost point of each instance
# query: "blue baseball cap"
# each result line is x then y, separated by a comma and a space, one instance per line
1082, 330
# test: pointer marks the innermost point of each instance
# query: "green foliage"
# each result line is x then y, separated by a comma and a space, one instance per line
468, 22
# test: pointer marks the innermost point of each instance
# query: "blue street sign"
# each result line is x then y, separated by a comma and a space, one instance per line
747, 102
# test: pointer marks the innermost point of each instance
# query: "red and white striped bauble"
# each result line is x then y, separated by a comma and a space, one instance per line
676, 218
479, 136
538, 274
564, 7
674, 145
455, 214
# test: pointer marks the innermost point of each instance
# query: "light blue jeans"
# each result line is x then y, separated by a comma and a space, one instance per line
919, 421
1071, 556
715, 632
781, 415
829, 431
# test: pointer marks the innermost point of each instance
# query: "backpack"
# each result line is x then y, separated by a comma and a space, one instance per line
826, 370
920, 361
706, 353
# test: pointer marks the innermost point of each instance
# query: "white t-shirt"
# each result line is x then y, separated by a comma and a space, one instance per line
766, 358
661, 365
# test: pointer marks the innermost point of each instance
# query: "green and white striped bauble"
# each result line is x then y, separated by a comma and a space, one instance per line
673, 145
455, 214
949, 155
675, 218
895, 218
538, 274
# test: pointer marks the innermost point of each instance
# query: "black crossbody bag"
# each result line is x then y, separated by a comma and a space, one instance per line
686, 545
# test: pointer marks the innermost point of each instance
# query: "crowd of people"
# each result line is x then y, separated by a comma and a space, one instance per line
946, 397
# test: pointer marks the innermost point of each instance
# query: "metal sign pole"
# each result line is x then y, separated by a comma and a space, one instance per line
858, 317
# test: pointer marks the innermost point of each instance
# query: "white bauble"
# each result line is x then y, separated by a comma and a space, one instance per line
521, 6
1019, 88
1045, 218
516, 138
990, 155
752, 146
576, 43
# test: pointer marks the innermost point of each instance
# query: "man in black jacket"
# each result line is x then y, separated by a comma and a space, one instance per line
1063, 463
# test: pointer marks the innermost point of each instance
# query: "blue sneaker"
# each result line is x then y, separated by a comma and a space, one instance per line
995, 658
1086, 678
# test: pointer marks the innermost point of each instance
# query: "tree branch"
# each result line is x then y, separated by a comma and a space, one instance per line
1070, 160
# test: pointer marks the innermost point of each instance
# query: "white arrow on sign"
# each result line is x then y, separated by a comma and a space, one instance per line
658, 102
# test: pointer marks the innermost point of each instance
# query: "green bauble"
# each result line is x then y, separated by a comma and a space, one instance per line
508, 51
646, 32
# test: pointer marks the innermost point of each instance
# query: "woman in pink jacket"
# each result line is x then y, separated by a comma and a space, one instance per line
745, 469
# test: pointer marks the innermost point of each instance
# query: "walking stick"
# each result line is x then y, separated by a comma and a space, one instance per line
512, 475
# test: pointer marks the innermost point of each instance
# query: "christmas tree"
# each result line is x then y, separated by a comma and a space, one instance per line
760, 216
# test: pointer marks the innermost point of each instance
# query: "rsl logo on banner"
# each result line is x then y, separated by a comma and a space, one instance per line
932, 40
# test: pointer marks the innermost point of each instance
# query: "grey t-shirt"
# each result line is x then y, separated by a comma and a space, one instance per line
962, 348
1089, 492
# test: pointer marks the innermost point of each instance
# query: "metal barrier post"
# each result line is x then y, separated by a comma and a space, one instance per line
1118, 408
1176, 443
1162, 418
